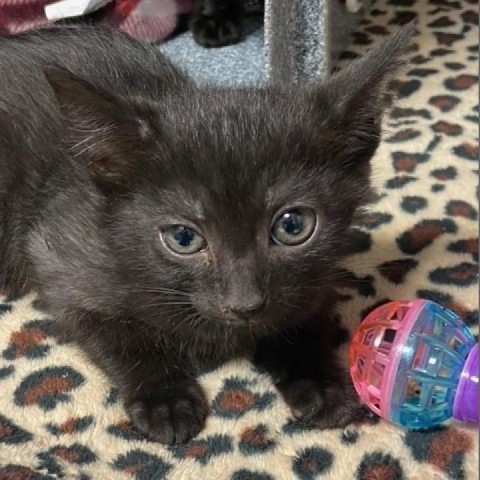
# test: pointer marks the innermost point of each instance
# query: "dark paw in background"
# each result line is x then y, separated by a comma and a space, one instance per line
169, 414
217, 23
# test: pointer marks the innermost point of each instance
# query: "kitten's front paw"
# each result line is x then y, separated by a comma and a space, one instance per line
172, 413
216, 30
333, 406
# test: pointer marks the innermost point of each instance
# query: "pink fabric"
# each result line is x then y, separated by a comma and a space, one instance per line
147, 20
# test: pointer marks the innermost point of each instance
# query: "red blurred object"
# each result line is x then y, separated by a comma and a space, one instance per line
146, 20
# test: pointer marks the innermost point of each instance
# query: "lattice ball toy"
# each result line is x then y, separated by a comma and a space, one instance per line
416, 364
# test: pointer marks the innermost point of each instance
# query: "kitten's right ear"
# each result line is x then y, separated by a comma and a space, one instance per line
100, 130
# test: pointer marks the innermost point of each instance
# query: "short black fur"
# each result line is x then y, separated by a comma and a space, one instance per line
104, 145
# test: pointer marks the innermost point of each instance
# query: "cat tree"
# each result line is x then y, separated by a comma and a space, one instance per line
297, 40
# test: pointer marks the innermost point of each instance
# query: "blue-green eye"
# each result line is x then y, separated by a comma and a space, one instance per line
293, 227
183, 240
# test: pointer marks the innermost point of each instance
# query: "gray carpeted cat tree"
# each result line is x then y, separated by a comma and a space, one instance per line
296, 40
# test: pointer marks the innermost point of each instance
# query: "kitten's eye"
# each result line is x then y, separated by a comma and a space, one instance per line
293, 227
183, 240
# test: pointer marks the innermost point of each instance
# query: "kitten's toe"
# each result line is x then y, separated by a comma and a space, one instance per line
323, 406
304, 399
216, 30
170, 414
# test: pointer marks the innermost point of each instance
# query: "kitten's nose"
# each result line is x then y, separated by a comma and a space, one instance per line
249, 305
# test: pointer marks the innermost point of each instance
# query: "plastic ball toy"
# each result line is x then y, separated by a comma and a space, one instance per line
416, 364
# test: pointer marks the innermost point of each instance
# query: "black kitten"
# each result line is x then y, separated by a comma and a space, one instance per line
216, 23
170, 228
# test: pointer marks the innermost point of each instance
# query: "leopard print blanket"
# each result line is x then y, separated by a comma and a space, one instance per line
60, 417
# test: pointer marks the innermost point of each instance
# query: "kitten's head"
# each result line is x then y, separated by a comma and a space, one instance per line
229, 207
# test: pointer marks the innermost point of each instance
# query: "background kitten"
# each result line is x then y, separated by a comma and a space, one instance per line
169, 228
216, 23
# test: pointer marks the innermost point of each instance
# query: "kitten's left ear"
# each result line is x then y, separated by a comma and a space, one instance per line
101, 131
358, 95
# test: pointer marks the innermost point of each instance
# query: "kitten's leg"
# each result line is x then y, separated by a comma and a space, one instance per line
162, 397
217, 23
306, 371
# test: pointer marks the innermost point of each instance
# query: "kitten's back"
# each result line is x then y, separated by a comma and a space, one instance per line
107, 58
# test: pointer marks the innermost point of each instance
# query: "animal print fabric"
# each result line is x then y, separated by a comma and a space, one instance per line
60, 417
